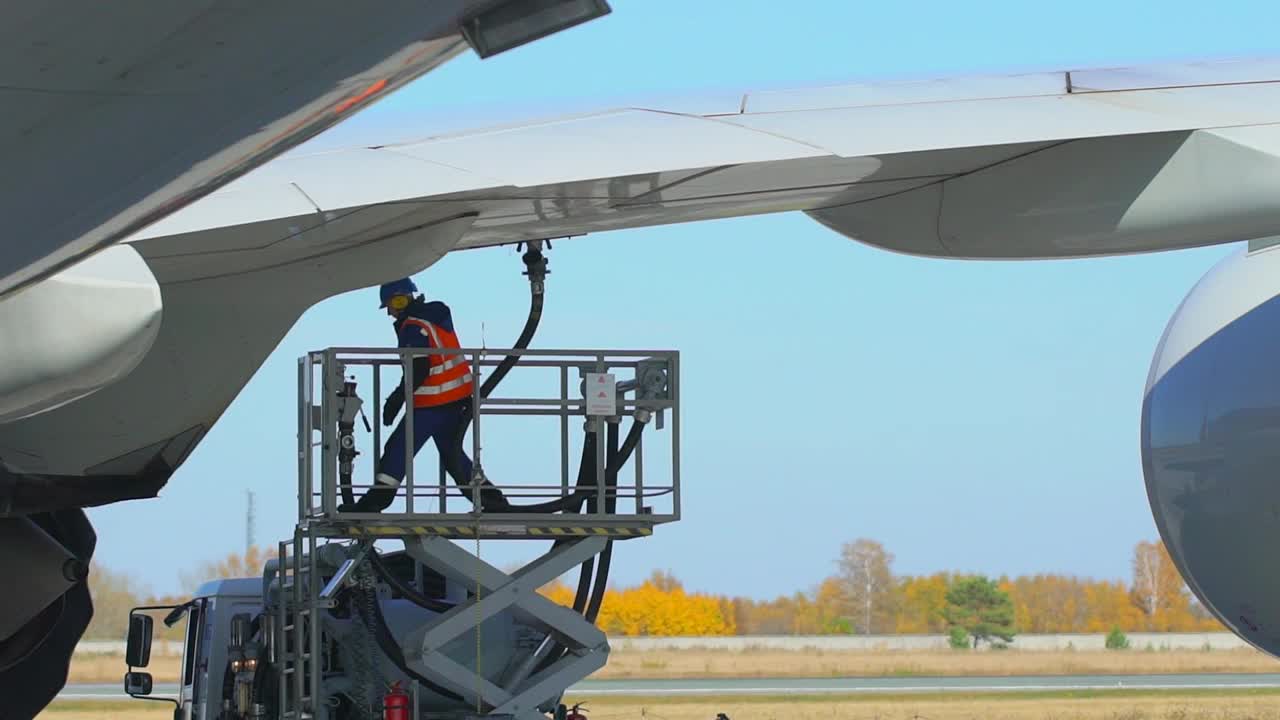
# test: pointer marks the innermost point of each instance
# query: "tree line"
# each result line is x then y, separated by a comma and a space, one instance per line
864, 596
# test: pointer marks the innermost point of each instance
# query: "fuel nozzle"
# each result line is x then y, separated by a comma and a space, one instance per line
536, 265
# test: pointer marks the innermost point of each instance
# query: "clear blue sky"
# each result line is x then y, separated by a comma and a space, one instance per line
969, 415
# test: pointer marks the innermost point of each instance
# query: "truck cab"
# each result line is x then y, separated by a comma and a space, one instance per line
214, 645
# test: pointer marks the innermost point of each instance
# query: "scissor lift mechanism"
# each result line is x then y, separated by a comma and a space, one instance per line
428, 517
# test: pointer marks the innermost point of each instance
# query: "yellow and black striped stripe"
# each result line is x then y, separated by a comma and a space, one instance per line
571, 531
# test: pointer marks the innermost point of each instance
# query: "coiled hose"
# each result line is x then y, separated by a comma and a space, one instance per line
370, 611
406, 590
588, 602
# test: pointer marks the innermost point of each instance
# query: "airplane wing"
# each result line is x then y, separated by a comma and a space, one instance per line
116, 114
1060, 164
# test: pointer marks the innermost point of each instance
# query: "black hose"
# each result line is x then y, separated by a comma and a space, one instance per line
591, 609
628, 447
602, 580
610, 467
581, 599
584, 488
610, 505
572, 502
537, 265
537, 271
586, 471
405, 590
382, 635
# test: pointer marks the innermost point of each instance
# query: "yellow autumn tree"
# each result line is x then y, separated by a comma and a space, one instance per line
921, 604
659, 606
1110, 608
558, 592
831, 602
1050, 603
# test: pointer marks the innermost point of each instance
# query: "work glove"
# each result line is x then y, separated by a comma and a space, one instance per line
391, 407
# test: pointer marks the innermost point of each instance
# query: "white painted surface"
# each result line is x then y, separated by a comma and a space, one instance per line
1159, 76
76, 332
1237, 284
601, 394
934, 90
553, 157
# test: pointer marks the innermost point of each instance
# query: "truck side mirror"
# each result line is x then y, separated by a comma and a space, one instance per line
138, 650
137, 683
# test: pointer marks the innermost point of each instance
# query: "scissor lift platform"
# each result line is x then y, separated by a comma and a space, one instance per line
644, 386
602, 389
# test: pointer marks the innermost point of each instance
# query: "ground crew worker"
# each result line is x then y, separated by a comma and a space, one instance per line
442, 392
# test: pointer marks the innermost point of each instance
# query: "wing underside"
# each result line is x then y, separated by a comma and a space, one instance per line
116, 114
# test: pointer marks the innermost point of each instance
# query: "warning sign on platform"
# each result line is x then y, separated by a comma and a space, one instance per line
601, 400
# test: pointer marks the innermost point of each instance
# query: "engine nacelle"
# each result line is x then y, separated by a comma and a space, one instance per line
76, 332
1211, 443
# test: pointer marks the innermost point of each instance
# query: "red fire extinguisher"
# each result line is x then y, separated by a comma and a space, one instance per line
395, 705
577, 712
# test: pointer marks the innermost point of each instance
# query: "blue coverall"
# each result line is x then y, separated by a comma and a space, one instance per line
440, 423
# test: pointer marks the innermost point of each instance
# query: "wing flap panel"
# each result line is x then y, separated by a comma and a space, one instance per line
907, 92
1167, 76
869, 131
614, 144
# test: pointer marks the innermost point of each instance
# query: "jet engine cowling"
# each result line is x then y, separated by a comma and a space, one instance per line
76, 332
1211, 443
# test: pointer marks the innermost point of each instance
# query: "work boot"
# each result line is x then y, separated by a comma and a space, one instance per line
376, 500
493, 501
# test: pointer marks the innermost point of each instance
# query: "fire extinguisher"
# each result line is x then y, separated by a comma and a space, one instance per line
395, 704
577, 712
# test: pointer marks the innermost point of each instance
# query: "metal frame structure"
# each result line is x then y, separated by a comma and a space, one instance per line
646, 387
320, 375
499, 592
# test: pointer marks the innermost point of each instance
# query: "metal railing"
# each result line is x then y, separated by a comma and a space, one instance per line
543, 383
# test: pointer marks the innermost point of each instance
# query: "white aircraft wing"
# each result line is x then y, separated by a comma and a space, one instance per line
1036, 165
997, 167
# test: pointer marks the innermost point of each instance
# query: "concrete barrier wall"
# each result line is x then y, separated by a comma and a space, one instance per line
1171, 641
834, 643
116, 647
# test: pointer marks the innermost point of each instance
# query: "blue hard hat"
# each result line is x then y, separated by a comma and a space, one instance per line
403, 286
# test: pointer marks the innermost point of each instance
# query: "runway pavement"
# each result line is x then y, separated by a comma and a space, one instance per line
767, 686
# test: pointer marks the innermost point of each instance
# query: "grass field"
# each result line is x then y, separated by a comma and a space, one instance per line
665, 664
1104, 705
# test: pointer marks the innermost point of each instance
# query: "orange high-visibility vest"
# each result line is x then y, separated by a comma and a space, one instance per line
449, 378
